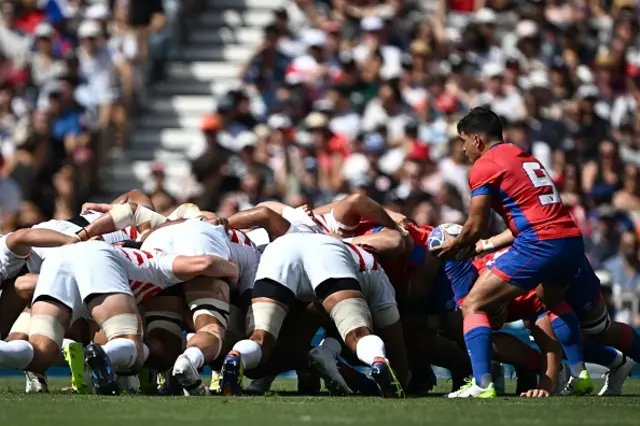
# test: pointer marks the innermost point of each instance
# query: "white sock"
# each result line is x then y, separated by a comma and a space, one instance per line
189, 336
369, 348
195, 355
16, 355
250, 351
333, 345
66, 342
122, 353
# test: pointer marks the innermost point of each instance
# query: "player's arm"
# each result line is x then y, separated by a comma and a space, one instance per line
263, 217
551, 351
121, 216
484, 178
357, 206
188, 267
21, 241
495, 243
387, 242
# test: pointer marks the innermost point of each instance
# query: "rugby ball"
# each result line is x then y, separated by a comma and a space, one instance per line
441, 232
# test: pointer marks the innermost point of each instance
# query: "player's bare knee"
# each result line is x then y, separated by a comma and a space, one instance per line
25, 286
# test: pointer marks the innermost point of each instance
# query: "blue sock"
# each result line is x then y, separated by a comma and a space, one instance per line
567, 329
477, 337
605, 356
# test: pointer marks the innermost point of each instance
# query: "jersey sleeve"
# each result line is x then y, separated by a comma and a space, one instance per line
484, 178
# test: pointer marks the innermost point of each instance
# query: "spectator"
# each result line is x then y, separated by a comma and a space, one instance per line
624, 267
45, 66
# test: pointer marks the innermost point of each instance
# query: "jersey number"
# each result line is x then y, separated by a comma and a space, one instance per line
540, 178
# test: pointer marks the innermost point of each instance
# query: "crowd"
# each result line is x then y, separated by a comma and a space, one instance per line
72, 74
364, 95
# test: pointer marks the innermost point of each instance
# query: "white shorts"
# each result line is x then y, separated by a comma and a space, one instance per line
10, 263
73, 273
38, 254
301, 262
300, 221
190, 238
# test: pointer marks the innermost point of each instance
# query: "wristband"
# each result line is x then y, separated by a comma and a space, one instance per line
487, 245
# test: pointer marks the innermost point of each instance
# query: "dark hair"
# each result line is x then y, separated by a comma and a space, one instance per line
481, 120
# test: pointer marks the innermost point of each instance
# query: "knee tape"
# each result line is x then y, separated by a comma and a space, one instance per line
350, 314
47, 326
268, 317
22, 324
212, 307
121, 325
164, 320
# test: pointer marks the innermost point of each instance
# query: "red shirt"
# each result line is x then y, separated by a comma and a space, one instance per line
28, 21
522, 192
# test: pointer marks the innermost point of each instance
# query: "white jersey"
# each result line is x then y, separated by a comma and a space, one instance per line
38, 254
149, 272
190, 238
301, 262
246, 256
324, 223
10, 263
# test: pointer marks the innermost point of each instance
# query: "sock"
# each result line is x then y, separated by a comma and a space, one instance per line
122, 352
369, 348
16, 355
333, 345
145, 353
477, 337
567, 329
66, 342
629, 342
189, 336
250, 353
605, 356
195, 355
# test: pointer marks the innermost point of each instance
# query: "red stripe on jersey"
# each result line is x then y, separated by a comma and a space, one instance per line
125, 253
363, 265
139, 258
145, 287
135, 285
148, 254
234, 236
318, 220
132, 232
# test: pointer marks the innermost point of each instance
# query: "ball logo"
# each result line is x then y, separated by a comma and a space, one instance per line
440, 233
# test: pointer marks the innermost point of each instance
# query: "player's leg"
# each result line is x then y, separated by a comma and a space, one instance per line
208, 302
12, 304
164, 337
270, 305
103, 285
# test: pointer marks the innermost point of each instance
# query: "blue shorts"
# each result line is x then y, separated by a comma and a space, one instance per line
529, 262
461, 276
584, 294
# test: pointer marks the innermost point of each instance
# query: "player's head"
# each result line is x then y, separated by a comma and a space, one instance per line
479, 130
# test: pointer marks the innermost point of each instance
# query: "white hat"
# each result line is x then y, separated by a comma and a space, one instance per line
492, 69
44, 29
587, 91
314, 37
245, 139
304, 139
279, 122
526, 28
484, 16
584, 74
316, 120
539, 78
89, 29
98, 11
372, 23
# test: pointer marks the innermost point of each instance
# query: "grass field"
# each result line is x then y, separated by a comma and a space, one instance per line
283, 408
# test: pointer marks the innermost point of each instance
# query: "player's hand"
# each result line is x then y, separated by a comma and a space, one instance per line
96, 207
449, 250
307, 210
535, 393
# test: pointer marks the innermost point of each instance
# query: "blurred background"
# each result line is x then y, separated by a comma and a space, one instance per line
228, 103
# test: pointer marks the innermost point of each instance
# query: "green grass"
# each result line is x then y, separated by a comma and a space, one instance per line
283, 408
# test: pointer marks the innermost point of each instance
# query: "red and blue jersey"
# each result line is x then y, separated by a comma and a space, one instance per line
522, 192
